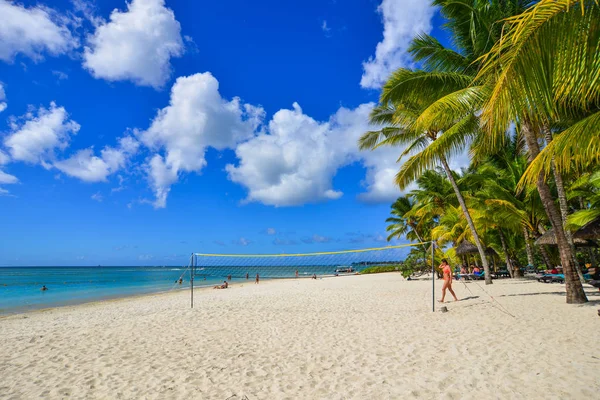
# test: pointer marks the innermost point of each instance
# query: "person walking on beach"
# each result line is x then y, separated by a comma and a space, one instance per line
257, 279
247, 276
447, 271
296, 274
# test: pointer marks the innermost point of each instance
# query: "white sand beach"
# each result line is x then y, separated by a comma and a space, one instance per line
356, 337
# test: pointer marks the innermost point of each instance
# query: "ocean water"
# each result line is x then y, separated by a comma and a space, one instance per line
20, 286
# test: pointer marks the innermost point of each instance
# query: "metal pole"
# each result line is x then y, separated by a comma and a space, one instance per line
432, 276
192, 280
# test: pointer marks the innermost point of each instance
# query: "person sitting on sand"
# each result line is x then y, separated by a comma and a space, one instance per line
44, 288
447, 271
225, 285
594, 273
314, 276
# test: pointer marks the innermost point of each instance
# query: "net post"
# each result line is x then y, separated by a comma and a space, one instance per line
432, 276
192, 273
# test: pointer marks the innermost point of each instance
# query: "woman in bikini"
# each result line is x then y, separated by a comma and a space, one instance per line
447, 280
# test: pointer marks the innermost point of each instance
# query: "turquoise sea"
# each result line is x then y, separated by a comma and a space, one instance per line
20, 286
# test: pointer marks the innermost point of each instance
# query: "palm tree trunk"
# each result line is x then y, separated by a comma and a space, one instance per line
575, 292
546, 257
506, 255
564, 206
463, 205
528, 248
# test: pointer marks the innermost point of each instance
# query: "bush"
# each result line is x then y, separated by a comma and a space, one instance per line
376, 269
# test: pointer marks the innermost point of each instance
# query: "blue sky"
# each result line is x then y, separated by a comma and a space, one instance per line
135, 133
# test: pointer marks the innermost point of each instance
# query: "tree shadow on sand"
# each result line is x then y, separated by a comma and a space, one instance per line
593, 297
468, 298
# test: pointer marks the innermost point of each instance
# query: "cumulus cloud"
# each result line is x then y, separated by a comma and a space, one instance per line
295, 160
271, 231
3, 104
196, 118
34, 137
32, 32
402, 20
381, 175
135, 45
91, 168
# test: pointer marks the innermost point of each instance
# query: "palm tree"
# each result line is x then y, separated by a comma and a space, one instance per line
401, 223
432, 112
544, 70
405, 113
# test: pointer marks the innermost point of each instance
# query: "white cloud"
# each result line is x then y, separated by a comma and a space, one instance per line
35, 139
381, 175
60, 75
271, 231
295, 161
325, 28
241, 242
135, 45
97, 197
91, 168
6, 179
196, 118
32, 32
4, 158
402, 20
3, 104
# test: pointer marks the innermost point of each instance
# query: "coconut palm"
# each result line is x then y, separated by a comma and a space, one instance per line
433, 112
546, 69
405, 113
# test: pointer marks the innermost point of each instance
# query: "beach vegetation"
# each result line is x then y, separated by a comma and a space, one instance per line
517, 92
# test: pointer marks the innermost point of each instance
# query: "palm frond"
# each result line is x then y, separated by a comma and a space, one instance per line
574, 148
435, 57
453, 141
421, 87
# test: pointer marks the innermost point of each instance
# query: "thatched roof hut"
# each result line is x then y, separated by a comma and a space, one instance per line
549, 239
589, 231
465, 247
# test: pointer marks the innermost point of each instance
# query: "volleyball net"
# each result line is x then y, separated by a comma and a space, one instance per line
208, 269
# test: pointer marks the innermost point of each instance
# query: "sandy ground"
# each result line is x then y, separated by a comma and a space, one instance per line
357, 337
